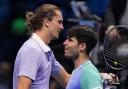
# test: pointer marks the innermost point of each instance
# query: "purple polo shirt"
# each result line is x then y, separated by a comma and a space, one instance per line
36, 61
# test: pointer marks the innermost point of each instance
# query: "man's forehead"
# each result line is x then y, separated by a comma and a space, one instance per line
59, 18
71, 37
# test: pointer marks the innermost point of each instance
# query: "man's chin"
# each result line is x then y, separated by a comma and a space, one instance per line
67, 56
56, 38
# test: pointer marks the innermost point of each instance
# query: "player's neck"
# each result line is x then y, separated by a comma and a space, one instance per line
80, 60
44, 36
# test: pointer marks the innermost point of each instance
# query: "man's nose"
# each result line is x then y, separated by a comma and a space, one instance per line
65, 42
61, 26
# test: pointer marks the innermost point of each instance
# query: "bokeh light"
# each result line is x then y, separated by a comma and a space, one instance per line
18, 26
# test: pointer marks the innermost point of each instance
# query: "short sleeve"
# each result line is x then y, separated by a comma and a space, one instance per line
29, 63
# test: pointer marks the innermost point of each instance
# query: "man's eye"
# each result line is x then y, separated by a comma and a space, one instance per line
60, 22
69, 39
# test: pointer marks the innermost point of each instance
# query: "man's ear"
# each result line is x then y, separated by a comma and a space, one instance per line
82, 46
46, 22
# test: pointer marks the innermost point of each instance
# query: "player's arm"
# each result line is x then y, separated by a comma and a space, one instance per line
24, 82
62, 77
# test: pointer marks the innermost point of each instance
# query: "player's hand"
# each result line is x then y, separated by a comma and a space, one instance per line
110, 76
114, 78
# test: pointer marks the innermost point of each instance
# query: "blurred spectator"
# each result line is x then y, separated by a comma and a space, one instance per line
93, 13
119, 9
98, 7
124, 18
5, 70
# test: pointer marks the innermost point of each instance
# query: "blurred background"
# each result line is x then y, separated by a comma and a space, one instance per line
99, 14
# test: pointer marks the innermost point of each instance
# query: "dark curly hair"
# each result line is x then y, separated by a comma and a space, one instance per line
84, 34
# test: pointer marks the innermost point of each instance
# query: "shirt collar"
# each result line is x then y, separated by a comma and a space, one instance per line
85, 63
45, 47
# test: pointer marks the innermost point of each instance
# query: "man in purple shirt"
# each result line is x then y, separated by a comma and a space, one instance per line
35, 61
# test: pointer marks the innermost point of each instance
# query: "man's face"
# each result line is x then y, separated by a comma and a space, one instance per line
71, 48
56, 25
